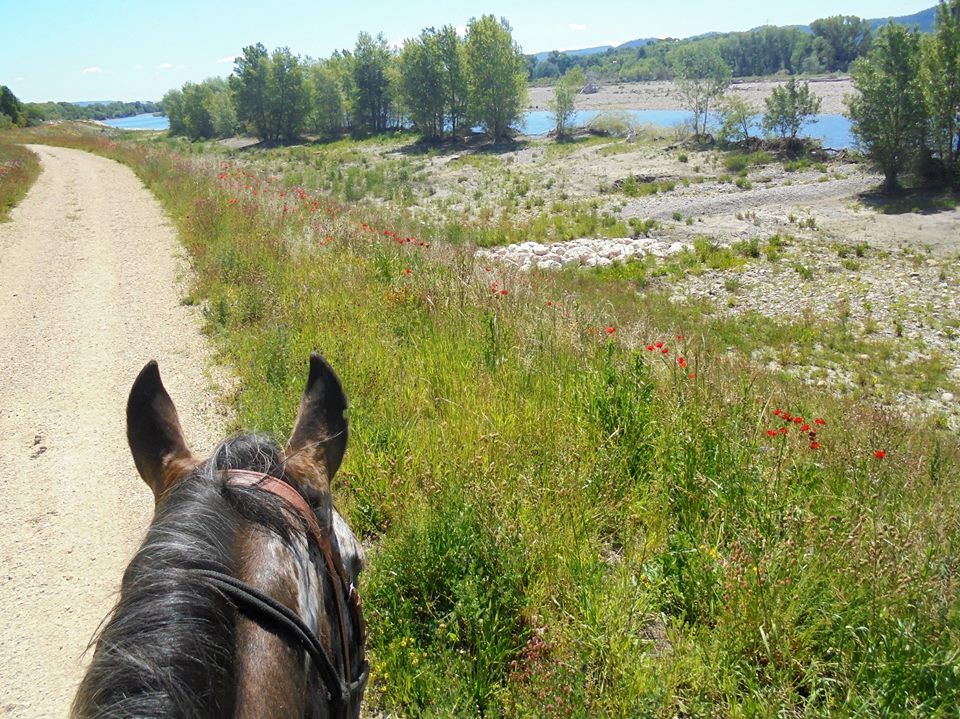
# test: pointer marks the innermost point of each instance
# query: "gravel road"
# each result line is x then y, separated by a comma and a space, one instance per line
90, 282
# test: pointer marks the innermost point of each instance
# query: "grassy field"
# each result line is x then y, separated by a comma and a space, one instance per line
18, 169
579, 502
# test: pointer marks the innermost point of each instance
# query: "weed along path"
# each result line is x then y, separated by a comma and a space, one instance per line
89, 292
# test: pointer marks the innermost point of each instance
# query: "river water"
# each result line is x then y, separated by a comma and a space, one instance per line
832, 130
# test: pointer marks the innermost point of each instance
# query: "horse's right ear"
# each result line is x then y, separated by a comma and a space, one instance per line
320, 432
153, 431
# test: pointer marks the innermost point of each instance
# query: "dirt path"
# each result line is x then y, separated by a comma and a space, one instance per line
89, 292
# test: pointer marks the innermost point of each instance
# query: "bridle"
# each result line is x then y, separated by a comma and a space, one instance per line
344, 691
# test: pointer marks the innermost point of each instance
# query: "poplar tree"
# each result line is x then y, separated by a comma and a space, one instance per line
371, 83
496, 75
940, 82
888, 116
702, 76
249, 81
422, 83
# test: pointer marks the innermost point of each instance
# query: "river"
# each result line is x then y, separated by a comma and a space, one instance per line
832, 130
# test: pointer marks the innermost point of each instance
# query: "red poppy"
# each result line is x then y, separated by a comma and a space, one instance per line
658, 345
783, 430
549, 303
805, 428
611, 330
814, 445
879, 454
679, 338
651, 347
776, 412
406, 271
693, 375
771, 432
798, 420
665, 350
819, 421
503, 292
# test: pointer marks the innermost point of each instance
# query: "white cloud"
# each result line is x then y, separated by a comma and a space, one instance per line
181, 67
138, 67
19, 79
461, 30
577, 26
164, 66
228, 58
92, 71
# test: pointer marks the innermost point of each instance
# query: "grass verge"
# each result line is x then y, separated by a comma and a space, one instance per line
19, 169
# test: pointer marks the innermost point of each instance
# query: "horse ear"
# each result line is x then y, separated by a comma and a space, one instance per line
320, 433
153, 431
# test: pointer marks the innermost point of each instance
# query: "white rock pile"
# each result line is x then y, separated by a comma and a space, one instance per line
584, 251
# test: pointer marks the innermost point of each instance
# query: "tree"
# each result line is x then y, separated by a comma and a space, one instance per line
736, 118
196, 117
172, 106
789, 106
270, 93
11, 106
888, 113
286, 96
340, 66
219, 105
421, 84
201, 110
702, 76
563, 103
327, 110
455, 92
251, 75
371, 83
495, 75
845, 38
940, 83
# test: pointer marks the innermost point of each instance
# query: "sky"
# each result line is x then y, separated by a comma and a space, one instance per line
109, 50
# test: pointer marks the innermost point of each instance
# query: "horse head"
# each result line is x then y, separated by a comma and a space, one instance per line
241, 601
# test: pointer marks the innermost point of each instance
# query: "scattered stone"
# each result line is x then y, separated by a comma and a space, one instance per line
582, 251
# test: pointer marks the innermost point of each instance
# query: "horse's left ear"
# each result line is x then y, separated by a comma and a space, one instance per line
153, 431
320, 433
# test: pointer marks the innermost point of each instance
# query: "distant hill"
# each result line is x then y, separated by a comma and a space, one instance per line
923, 20
541, 56
637, 43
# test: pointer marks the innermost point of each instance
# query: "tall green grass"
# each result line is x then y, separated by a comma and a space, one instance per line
563, 522
19, 169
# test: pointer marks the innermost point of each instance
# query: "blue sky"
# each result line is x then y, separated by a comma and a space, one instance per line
108, 50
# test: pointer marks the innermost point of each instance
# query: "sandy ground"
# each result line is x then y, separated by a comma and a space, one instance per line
663, 95
89, 292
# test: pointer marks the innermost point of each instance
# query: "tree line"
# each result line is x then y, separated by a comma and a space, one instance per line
20, 114
438, 83
830, 45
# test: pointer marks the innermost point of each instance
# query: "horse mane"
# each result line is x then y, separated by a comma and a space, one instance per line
167, 648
